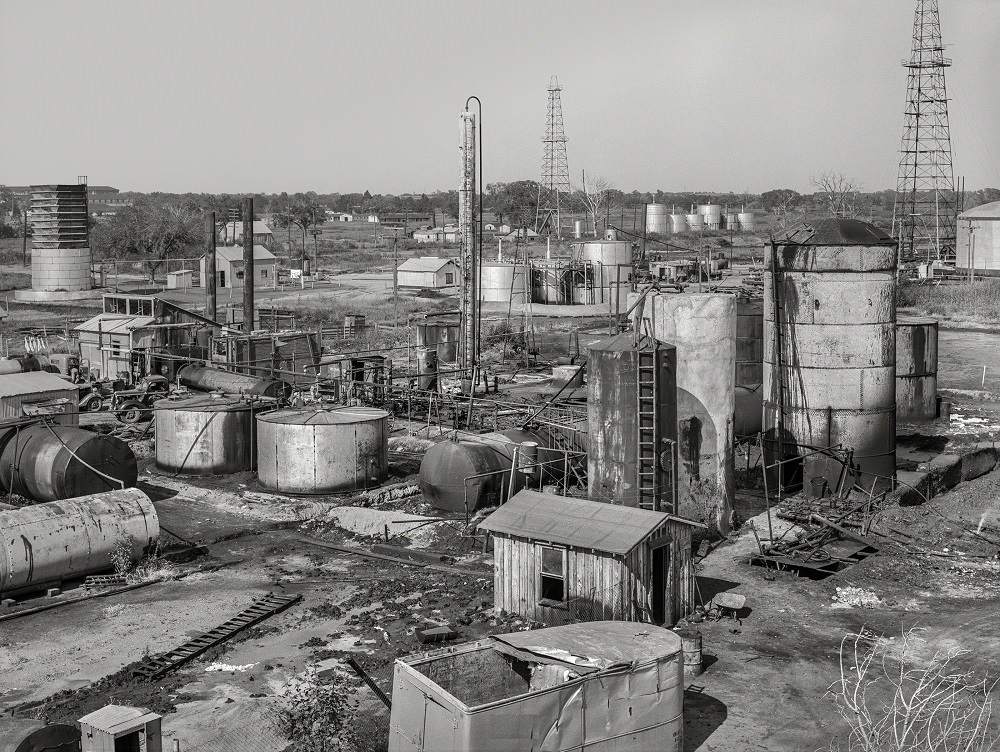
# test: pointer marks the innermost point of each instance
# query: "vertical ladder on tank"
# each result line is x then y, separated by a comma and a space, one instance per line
647, 487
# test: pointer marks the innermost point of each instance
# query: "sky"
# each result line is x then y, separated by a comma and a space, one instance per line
228, 96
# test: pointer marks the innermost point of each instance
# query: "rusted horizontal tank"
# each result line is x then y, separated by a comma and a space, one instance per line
47, 463
45, 544
312, 451
24, 364
835, 373
30, 735
476, 472
206, 379
207, 434
916, 369
613, 412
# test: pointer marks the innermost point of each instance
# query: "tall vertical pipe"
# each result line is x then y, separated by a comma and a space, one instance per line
467, 232
211, 299
248, 269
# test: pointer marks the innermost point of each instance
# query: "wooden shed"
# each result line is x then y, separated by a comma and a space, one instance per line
558, 558
432, 272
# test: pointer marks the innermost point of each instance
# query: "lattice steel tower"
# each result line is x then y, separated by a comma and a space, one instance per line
924, 214
554, 188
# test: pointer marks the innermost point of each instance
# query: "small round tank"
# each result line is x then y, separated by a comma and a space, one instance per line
916, 368
47, 463
501, 282
30, 735
311, 451
205, 435
747, 222
45, 544
678, 223
205, 379
696, 222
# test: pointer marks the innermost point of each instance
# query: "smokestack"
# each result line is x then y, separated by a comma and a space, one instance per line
466, 226
211, 276
248, 269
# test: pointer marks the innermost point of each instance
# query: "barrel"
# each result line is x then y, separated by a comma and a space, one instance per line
691, 647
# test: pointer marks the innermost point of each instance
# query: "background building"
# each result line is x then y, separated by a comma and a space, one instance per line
229, 267
428, 271
978, 245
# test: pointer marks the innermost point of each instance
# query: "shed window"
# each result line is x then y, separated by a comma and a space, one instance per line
449, 278
553, 575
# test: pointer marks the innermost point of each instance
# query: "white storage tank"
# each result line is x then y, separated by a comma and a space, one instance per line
314, 451
678, 223
747, 223
657, 218
696, 222
207, 434
501, 282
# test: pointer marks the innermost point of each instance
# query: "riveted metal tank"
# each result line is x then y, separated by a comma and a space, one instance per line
747, 221
608, 271
702, 326
749, 342
613, 419
916, 368
502, 282
45, 544
657, 218
48, 463
206, 434
836, 374
476, 471
314, 451
206, 379
30, 735
712, 214
696, 222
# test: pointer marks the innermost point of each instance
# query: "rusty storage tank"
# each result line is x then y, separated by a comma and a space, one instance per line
502, 282
657, 219
206, 434
916, 368
614, 421
45, 544
702, 326
48, 463
476, 471
313, 451
30, 735
835, 373
551, 283
749, 342
206, 379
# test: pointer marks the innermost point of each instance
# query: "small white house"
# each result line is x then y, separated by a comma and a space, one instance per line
233, 232
229, 267
431, 272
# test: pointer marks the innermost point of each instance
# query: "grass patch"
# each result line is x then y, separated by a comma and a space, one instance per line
957, 300
14, 281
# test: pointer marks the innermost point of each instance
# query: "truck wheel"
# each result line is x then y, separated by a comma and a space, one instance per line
132, 412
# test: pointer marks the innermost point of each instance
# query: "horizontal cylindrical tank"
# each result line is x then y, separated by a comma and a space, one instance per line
313, 451
835, 373
501, 282
916, 368
206, 379
747, 222
657, 218
30, 735
696, 222
45, 544
25, 364
632, 419
476, 472
205, 435
678, 223
48, 463
749, 342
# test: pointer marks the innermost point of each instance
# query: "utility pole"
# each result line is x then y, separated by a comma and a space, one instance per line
395, 279
211, 297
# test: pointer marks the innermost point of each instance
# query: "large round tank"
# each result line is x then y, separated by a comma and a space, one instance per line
732, 221
712, 214
551, 283
448, 468
48, 463
916, 368
501, 282
613, 390
749, 342
608, 265
30, 735
45, 544
837, 373
606, 252
696, 222
206, 434
60, 244
313, 451
678, 223
747, 222
702, 326
206, 379
657, 218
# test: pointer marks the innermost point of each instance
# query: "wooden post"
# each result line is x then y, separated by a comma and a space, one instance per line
248, 267
210, 280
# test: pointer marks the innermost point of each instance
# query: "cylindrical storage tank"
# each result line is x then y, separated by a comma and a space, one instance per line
835, 374
916, 368
552, 284
48, 463
30, 735
609, 263
476, 472
45, 544
657, 218
501, 282
712, 214
613, 461
205, 379
441, 335
427, 369
702, 326
205, 435
60, 243
749, 342
10, 366
732, 220
678, 223
313, 451
696, 222
747, 223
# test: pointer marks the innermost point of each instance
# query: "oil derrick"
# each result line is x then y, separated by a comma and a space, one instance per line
554, 187
925, 209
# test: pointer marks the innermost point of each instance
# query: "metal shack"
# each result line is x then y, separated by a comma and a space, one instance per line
121, 728
601, 685
559, 559
39, 393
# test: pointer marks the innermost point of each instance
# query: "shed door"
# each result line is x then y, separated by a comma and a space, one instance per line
660, 600
440, 729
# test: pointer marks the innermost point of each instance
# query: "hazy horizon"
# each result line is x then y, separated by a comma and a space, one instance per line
235, 97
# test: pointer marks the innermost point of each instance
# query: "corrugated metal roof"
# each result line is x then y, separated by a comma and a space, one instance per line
16, 384
113, 719
985, 211
115, 323
425, 264
604, 643
834, 231
233, 253
580, 523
